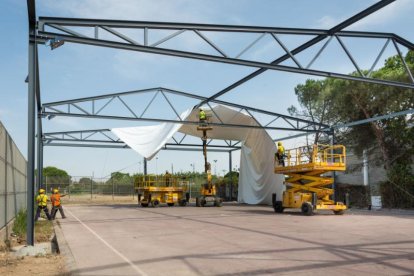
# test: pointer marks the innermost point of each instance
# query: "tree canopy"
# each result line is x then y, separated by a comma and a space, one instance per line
53, 171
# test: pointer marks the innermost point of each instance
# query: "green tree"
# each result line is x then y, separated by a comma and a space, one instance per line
55, 175
53, 171
86, 181
120, 178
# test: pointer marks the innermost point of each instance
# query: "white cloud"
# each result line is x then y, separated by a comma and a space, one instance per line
326, 22
160, 10
380, 18
125, 63
385, 15
4, 112
65, 122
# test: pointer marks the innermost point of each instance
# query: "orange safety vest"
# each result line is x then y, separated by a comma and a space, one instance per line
55, 198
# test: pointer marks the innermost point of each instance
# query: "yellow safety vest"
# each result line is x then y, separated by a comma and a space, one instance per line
202, 115
41, 200
281, 150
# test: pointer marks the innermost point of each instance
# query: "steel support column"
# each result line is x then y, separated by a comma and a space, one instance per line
145, 167
31, 140
39, 182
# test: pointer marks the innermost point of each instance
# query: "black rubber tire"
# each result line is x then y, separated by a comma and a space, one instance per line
144, 204
218, 202
278, 207
198, 202
170, 204
307, 209
155, 203
340, 212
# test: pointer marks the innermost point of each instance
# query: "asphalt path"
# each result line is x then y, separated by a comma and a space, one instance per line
236, 240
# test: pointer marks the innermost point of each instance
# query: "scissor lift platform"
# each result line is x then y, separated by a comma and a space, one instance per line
308, 178
153, 190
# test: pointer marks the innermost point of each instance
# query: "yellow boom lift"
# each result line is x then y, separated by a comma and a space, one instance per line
208, 189
308, 173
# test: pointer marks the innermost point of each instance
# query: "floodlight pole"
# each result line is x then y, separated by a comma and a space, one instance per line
145, 166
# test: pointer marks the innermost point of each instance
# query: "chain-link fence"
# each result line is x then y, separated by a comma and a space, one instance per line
84, 187
93, 188
12, 178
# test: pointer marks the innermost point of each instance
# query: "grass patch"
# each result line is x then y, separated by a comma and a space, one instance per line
19, 226
43, 228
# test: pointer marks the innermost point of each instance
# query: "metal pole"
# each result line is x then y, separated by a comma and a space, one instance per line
91, 186
334, 196
365, 167
145, 166
112, 189
133, 188
39, 152
156, 167
231, 179
365, 170
31, 142
6, 196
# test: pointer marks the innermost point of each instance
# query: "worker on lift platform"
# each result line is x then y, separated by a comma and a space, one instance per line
280, 154
202, 117
168, 179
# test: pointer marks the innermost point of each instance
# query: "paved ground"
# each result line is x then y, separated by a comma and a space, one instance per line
242, 240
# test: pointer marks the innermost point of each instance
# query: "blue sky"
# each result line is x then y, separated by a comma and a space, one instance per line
74, 71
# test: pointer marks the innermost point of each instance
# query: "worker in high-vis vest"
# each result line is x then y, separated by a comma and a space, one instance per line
41, 201
280, 154
56, 204
202, 115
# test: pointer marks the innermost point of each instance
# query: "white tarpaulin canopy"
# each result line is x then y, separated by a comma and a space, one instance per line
257, 180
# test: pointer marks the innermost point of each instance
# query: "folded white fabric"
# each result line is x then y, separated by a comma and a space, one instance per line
257, 180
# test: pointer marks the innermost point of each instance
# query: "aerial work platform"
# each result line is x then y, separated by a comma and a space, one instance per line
153, 190
309, 178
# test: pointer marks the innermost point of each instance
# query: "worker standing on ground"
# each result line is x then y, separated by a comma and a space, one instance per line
41, 200
168, 179
56, 204
280, 154
202, 116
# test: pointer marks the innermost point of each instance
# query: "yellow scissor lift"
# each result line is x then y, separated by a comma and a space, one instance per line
309, 186
154, 190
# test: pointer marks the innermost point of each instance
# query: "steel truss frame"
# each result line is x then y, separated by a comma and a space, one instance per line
104, 138
60, 30
72, 108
